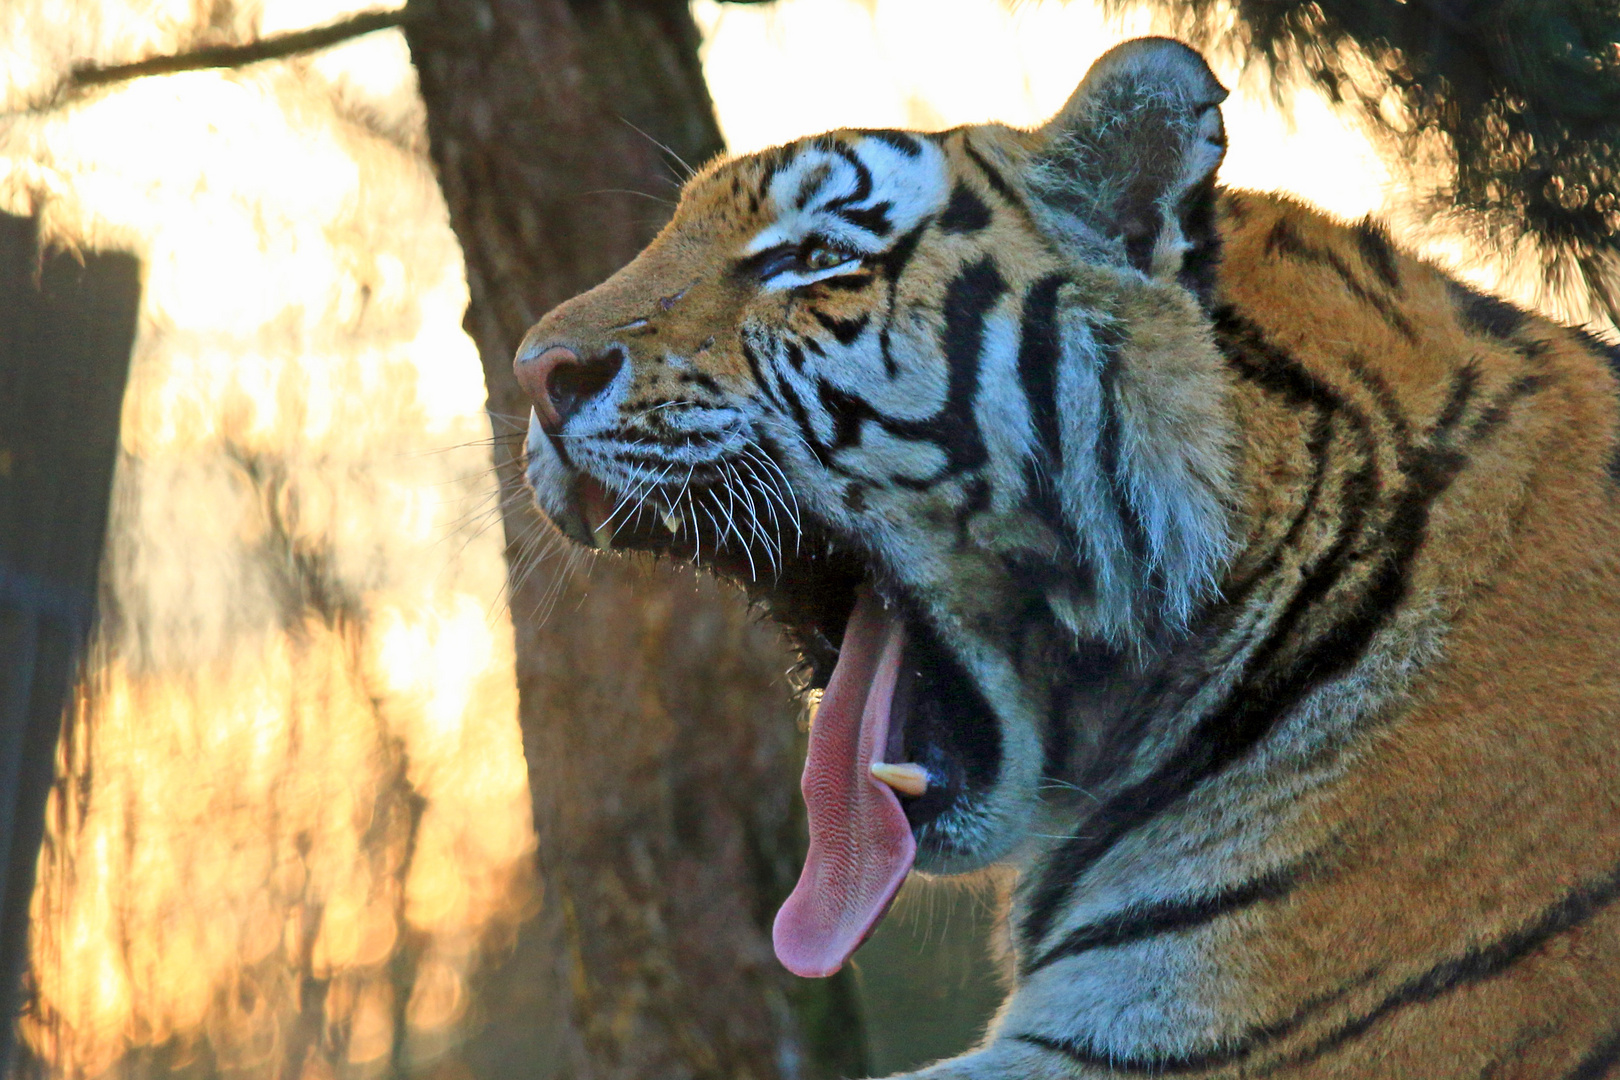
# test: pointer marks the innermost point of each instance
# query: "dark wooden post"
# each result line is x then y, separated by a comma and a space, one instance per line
67, 324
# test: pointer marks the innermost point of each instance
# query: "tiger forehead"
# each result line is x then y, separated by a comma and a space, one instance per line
879, 182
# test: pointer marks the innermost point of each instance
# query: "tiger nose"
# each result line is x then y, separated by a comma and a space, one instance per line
560, 383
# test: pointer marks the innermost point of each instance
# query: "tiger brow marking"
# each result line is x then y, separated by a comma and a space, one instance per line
863, 176
810, 186
902, 141
1284, 240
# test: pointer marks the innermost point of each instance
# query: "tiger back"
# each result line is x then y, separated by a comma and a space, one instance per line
1248, 585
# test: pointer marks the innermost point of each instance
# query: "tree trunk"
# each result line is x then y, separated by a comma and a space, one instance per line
663, 748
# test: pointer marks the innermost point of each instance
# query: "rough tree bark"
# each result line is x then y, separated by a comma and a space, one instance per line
661, 741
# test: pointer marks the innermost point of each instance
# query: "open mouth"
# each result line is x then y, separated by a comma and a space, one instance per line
902, 742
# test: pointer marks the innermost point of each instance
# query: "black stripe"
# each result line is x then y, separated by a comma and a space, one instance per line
1478, 964
1388, 405
1108, 436
1317, 449
902, 141
845, 331
1039, 352
1376, 249
1252, 708
801, 418
863, 175
969, 299
1200, 262
1269, 685
1229, 1051
997, 182
758, 371
795, 354
1142, 237
891, 367
810, 186
1169, 916
1085, 1055
1283, 240
772, 162
1496, 413
894, 261
965, 213
1481, 313
1610, 354
1057, 733
874, 219
1474, 966
1599, 1062
975, 501
700, 379
841, 283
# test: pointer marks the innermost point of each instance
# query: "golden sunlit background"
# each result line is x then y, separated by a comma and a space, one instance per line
291, 816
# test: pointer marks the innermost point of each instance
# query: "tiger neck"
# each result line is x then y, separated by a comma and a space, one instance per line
1168, 800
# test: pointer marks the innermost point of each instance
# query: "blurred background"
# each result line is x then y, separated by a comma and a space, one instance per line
361, 772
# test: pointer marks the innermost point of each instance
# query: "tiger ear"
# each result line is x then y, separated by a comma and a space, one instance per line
1126, 171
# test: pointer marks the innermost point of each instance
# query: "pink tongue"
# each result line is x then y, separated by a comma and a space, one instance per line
861, 846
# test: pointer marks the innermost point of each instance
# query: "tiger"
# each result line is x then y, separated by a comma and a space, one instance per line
1246, 584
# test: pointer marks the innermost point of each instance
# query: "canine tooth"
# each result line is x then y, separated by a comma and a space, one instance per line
603, 535
672, 521
907, 779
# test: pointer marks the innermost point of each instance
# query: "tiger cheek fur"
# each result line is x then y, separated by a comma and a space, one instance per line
1258, 583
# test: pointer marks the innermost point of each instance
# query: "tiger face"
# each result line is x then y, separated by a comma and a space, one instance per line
879, 378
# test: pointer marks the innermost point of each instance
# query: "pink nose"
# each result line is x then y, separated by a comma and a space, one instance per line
561, 384
534, 375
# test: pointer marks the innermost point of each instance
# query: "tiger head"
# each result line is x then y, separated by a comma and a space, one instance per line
948, 406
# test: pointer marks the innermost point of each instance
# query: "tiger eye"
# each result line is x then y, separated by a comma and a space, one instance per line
824, 258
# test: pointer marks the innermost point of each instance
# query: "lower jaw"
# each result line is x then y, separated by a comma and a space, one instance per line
950, 729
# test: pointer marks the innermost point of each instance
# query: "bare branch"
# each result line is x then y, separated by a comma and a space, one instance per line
274, 47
